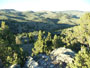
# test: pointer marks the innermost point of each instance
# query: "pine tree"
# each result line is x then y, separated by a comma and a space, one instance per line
8, 53
82, 59
38, 45
31, 37
48, 44
6, 34
48, 39
55, 41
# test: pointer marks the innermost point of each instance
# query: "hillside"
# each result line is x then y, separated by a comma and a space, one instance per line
44, 39
41, 20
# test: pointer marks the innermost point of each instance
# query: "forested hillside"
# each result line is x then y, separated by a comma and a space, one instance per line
41, 20
44, 39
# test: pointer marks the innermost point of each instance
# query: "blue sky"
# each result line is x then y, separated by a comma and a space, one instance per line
51, 5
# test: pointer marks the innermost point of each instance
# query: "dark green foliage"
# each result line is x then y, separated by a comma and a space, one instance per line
20, 22
48, 44
27, 24
38, 45
48, 40
10, 53
82, 59
45, 43
78, 35
56, 41
6, 34
31, 37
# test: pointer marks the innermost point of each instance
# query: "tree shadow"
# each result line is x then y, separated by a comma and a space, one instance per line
30, 26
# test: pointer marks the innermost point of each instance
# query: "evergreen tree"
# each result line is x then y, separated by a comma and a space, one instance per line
48, 44
55, 41
82, 59
6, 34
31, 38
8, 53
38, 45
76, 36
48, 39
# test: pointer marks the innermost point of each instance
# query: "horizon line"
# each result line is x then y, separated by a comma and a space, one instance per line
43, 10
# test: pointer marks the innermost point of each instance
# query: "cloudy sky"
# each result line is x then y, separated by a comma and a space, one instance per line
51, 5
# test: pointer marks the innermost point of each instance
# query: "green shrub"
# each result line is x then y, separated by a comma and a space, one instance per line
10, 53
82, 59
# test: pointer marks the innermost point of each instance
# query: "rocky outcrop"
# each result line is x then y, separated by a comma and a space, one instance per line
40, 61
58, 58
30, 63
62, 56
44, 61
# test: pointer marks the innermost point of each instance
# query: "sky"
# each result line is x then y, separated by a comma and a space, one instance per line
47, 5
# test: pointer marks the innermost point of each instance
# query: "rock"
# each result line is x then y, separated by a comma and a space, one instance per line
30, 63
44, 61
62, 55
58, 58
40, 61
15, 66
